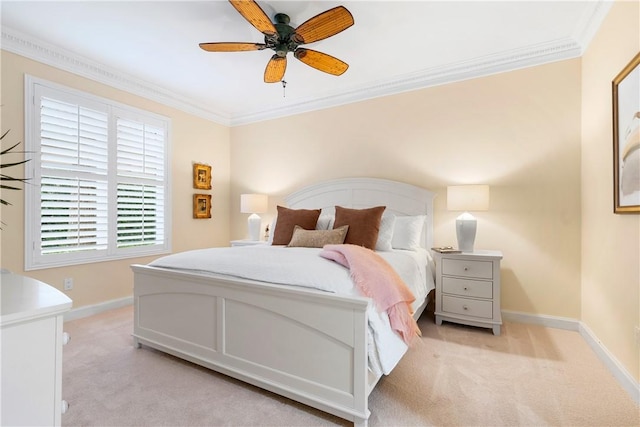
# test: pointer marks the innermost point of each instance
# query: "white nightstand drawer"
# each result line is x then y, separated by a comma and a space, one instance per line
467, 307
467, 288
466, 268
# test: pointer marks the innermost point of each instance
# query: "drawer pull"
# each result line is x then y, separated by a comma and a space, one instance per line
466, 289
465, 307
466, 269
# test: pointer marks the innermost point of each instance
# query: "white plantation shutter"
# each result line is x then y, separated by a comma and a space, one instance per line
73, 186
141, 179
100, 180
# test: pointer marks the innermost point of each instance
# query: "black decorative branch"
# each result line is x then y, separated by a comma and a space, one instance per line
8, 182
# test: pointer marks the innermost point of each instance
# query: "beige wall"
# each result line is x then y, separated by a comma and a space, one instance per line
518, 132
193, 139
610, 243
541, 137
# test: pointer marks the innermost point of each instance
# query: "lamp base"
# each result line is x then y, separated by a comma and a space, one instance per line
253, 225
466, 226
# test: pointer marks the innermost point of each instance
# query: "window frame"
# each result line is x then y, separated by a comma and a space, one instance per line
35, 88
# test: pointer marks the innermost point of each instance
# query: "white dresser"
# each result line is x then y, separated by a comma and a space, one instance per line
468, 289
32, 339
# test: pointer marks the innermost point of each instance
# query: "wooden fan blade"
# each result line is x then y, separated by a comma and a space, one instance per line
250, 10
275, 69
321, 61
231, 47
324, 25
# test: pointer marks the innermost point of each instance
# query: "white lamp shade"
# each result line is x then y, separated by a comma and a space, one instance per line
253, 203
468, 198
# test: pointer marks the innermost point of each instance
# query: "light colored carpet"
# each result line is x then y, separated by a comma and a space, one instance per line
454, 376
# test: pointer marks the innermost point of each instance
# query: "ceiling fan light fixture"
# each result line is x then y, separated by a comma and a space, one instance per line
283, 38
281, 50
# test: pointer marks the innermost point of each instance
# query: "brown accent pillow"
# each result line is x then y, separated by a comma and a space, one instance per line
364, 225
317, 238
288, 218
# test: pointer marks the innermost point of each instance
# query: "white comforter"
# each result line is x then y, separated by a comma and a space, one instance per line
304, 267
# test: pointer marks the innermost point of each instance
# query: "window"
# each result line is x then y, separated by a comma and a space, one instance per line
99, 184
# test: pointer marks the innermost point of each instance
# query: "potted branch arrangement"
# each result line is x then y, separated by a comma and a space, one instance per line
8, 182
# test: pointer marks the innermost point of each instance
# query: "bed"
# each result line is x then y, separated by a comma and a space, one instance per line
306, 344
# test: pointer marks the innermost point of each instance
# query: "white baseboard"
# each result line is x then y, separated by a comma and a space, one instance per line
628, 383
90, 310
542, 320
615, 367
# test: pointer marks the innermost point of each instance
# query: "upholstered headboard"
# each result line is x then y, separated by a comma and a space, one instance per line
358, 193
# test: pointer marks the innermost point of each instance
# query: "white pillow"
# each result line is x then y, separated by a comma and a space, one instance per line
385, 235
407, 232
325, 222
272, 230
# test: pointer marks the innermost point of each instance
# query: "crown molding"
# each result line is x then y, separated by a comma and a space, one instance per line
479, 67
29, 47
590, 22
567, 48
557, 50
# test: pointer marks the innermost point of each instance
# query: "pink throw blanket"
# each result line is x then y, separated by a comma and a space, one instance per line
376, 279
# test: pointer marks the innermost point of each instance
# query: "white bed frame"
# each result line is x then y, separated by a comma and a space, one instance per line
307, 345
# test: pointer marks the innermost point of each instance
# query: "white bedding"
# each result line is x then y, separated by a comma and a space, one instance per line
304, 267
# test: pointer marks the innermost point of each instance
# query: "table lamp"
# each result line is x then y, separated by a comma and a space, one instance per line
253, 204
467, 198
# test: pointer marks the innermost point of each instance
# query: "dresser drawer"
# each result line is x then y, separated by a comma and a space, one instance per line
467, 288
466, 268
467, 307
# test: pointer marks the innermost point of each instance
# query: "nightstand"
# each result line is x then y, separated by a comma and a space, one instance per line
247, 242
468, 289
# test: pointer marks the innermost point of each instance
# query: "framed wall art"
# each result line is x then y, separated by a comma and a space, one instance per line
201, 176
626, 139
202, 206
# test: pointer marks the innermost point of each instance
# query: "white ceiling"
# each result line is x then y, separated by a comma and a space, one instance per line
151, 48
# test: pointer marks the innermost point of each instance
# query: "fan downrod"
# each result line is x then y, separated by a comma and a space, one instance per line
282, 18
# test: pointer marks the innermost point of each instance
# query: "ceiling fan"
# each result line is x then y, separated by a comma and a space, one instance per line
282, 38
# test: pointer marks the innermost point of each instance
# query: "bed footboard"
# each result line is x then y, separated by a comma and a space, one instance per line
307, 345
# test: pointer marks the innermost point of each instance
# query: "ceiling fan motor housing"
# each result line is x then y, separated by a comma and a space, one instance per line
284, 43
